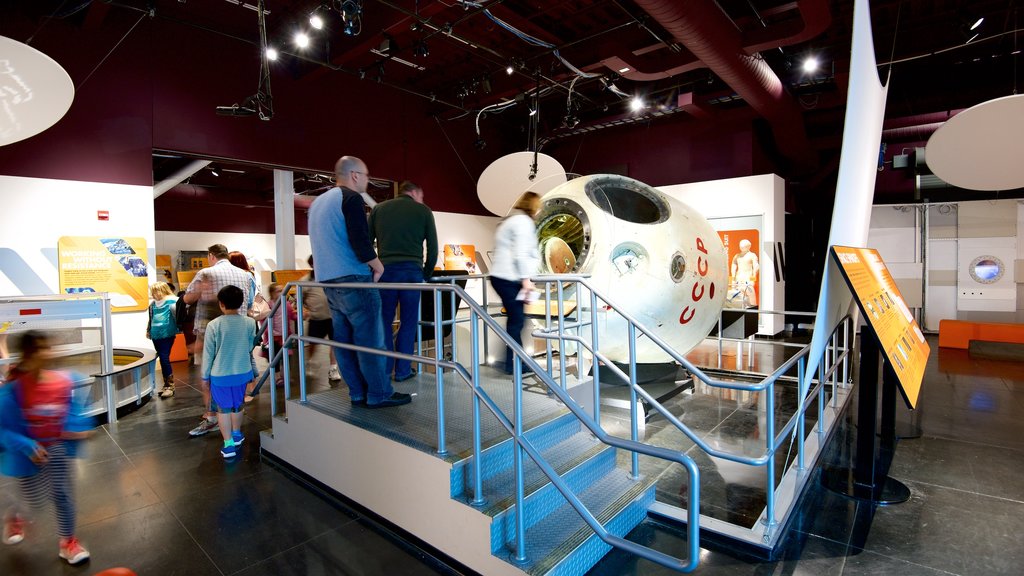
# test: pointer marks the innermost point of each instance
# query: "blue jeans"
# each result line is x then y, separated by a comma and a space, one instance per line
405, 340
355, 314
507, 291
163, 352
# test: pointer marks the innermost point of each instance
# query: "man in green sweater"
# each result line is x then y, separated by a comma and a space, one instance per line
401, 226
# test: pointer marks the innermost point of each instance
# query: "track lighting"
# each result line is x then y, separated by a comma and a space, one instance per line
810, 65
301, 40
509, 70
316, 22
214, 171
637, 104
271, 53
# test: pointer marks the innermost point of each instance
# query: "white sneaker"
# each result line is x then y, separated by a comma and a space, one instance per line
333, 374
204, 427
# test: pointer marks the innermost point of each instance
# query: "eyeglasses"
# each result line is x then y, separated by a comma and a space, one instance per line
367, 174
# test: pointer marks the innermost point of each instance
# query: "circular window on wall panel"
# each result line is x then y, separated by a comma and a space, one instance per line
987, 269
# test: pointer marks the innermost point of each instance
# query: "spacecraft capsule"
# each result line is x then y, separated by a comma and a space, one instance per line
649, 254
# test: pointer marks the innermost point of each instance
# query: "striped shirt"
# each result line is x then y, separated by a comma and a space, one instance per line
208, 283
228, 347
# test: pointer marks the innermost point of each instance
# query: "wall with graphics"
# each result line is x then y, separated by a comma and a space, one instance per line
957, 261
751, 202
37, 212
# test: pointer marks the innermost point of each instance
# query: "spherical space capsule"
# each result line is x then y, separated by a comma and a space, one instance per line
649, 254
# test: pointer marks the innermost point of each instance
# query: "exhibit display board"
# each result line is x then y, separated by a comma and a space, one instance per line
887, 314
460, 257
114, 265
744, 267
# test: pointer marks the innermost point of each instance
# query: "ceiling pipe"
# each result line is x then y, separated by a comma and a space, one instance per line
178, 177
706, 32
814, 19
918, 133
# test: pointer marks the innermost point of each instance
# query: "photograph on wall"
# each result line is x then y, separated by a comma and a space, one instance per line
744, 267
460, 257
117, 266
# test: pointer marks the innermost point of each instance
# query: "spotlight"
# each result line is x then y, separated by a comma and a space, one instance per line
301, 40
271, 53
420, 49
316, 21
570, 121
213, 170
637, 104
533, 111
480, 144
509, 70
810, 65
977, 22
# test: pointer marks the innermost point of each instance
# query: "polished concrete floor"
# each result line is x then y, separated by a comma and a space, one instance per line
152, 499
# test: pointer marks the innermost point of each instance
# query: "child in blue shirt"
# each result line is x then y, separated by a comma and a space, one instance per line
227, 365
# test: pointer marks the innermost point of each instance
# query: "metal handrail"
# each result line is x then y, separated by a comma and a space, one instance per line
773, 441
478, 314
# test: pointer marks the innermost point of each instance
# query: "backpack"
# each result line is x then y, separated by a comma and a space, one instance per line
162, 322
183, 313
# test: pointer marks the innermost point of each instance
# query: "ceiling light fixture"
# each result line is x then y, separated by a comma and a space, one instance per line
271, 53
316, 22
301, 40
213, 170
637, 104
977, 22
623, 70
810, 65
509, 69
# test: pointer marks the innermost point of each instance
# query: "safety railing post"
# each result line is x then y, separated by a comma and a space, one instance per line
517, 382
720, 340
595, 366
548, 352
286, 371
270, 357
561, 335
802, 416
419, 336
770, 453
300, 331
478, 483
634, 432
454, 324
439, 373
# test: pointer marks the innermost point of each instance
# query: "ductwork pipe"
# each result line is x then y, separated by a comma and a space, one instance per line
178, 177
706, 31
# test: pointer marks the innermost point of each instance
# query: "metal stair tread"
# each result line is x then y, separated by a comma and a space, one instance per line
562, 457
563, 530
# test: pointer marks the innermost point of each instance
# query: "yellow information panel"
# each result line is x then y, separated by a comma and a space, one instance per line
117, 266
885, 311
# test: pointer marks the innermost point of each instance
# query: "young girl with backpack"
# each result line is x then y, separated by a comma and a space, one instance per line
162, 330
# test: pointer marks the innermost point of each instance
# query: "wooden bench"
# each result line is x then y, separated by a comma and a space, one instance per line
960, 333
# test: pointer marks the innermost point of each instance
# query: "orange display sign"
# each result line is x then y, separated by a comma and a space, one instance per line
883, 307
742, 247
283, 277
460, 257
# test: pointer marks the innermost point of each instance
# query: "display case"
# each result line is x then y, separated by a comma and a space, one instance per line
80, 328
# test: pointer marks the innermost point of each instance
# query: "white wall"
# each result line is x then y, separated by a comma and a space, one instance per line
763, 196
36, 212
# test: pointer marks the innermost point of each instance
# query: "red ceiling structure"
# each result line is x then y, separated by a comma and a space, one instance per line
409, 82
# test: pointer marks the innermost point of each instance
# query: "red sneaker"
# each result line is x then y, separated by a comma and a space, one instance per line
14, 530
73, 551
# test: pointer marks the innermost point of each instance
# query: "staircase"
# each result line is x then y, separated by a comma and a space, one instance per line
557, 540
382, 460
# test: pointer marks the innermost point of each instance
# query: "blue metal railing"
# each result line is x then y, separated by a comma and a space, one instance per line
479, 315
556, 326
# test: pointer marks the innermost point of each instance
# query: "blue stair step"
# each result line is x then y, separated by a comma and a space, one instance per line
580, 462
496, 459
562, 544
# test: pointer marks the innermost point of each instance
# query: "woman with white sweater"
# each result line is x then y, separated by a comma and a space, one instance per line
516, 258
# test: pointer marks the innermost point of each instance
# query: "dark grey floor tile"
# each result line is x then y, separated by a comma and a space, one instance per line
241, 523
196, 465
967, 466
951, 530
109, 489
352, 549
149, 541
870, 564
99, 447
